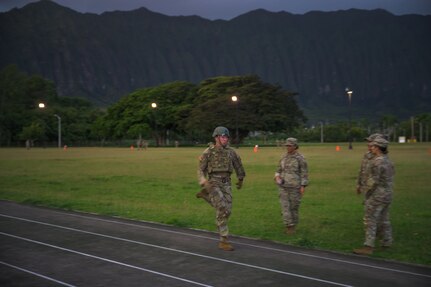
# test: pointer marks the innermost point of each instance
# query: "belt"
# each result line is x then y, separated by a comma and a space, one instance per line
224, 178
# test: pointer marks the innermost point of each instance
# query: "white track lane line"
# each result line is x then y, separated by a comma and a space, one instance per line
37, 274
179, 251
104, 259
246, 244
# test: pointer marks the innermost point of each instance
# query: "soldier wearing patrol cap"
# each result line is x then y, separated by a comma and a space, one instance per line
216, 165
365, 163
291, 178
379, 199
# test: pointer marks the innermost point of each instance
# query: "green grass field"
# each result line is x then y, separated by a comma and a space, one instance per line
160, 184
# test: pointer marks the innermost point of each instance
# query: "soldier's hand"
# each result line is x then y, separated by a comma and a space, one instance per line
239, 184
279, 180
203, 182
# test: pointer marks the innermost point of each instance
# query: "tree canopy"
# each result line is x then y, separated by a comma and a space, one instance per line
134, 116
259, 107
21, 119
184, 109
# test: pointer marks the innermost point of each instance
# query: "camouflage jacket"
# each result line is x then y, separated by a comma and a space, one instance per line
364, 171
223, 160
380, 182
293, 169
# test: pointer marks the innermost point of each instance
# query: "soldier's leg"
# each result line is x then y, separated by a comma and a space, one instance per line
224, 209
372, 215
295, 201
204, 194
223, 212
386, 227
213, 194
285, 207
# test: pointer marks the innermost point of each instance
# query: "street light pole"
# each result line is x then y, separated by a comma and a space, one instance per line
42, 106
321, 132
59, 129
349, 94
154, 106
235, 101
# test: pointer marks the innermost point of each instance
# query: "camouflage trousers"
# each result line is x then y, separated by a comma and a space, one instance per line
220, 197
377, 222
290, 199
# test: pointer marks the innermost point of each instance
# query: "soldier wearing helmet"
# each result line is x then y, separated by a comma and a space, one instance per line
379, 198
216, 165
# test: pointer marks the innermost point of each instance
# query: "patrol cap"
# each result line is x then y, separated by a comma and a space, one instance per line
291, 141
380, 142
221, 131
373, 136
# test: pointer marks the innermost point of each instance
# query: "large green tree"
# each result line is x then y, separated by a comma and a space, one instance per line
134, 116
21, 117
259, 107
19, 98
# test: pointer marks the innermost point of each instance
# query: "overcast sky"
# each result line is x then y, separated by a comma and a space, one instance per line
228, 9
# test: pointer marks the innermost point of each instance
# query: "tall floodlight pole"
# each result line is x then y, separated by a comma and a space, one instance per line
349, 94
412, 122
59, 129
42, 106
235, 101
321, 132
154, 107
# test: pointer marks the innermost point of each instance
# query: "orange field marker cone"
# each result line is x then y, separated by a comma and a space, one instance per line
337, 148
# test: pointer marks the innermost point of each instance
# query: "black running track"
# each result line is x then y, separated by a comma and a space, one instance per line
47, 247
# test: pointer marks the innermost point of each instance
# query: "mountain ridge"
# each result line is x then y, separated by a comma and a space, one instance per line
384, 58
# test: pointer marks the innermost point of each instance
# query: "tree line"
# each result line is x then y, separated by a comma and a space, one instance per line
175, 111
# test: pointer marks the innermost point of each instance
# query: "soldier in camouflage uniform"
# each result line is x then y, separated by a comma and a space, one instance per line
364, 170
378, 201
291, 178
216, 165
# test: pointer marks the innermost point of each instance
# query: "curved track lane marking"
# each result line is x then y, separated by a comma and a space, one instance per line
244, 244
104, 259
176, 250
37, 274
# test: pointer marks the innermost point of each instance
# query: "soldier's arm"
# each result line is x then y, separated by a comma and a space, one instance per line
203, 168
277, 175
237, 165
361, 181
374, 178
304, 171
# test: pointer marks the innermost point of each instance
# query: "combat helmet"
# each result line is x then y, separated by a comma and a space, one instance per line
221, 131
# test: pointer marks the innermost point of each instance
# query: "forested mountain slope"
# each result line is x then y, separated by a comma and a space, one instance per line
384, 59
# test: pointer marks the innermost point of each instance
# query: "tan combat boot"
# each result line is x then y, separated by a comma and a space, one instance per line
366, 250
224, 244
290, 230
201, 194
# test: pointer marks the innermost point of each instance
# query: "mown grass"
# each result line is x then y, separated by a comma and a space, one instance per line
160, 184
